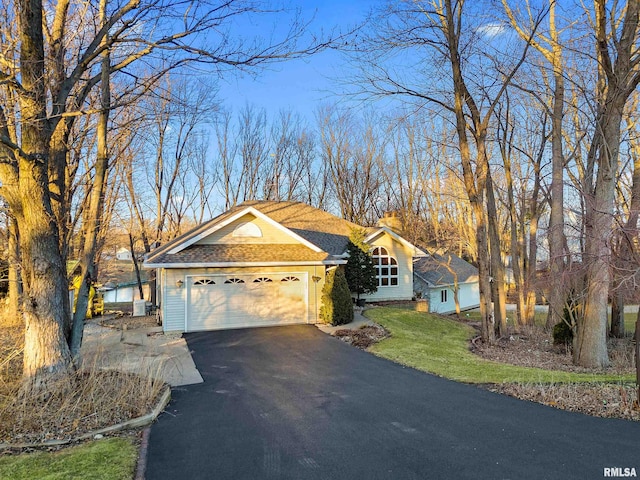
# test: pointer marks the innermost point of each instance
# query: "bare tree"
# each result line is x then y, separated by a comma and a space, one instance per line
619, 75
625, 244
439, 28
523, 144
354, 155
40, 73
549, 46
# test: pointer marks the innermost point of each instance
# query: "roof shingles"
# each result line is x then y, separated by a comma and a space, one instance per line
246, 253
439, 269
320, 228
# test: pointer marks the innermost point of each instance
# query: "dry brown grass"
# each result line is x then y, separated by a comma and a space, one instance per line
11, 347
91, 399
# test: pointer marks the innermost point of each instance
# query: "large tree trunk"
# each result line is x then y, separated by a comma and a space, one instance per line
532, 257
488, 330
515, 246
475, 183
591, 344
617, 314
622, 78
46, 301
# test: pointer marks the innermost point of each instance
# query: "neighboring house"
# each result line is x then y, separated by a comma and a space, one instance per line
124, 254
123, 292
264, 263
435, 277
118, 283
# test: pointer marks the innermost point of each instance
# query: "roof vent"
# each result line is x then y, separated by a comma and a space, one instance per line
247, 230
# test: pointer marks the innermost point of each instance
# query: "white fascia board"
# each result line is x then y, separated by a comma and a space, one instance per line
233, 218
417, 253
241, 264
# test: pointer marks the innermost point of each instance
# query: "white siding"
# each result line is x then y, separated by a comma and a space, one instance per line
404, 289
173, 302
468, 297
126, 294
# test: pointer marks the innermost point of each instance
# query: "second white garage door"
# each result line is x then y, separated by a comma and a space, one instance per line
216, 302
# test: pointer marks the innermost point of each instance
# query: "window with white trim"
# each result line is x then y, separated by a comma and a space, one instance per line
386, 267
444, 296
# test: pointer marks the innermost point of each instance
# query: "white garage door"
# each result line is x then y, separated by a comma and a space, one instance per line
217, 302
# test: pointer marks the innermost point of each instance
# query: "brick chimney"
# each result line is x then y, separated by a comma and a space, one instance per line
393, 221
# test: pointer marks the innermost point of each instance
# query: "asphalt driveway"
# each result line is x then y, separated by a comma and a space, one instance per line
294, 403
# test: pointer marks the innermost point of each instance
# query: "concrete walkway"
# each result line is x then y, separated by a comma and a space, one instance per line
147, 351
358, 322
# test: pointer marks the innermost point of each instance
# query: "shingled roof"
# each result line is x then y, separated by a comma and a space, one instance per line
252, 253
438, 269
326, 231
321, 229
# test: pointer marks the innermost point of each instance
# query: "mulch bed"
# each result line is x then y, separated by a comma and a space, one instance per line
533, 347
598, 400
364, 337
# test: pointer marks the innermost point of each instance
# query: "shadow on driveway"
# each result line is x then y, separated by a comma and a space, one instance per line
292, 402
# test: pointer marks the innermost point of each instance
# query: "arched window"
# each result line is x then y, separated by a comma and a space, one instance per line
204, 281
386, 267
234, 280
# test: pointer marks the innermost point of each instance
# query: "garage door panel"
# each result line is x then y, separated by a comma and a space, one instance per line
248, 300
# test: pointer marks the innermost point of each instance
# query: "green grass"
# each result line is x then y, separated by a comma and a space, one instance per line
438, 345
109, 459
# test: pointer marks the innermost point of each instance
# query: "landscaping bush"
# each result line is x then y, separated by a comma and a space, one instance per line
360, 271
562, 334
562, 331
337, 307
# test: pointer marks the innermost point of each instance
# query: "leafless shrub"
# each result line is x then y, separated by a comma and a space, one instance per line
364, 337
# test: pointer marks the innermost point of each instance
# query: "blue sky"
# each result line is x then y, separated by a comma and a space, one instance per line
301, 84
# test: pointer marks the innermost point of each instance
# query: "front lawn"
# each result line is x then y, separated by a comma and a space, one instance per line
438, 345
109, 459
